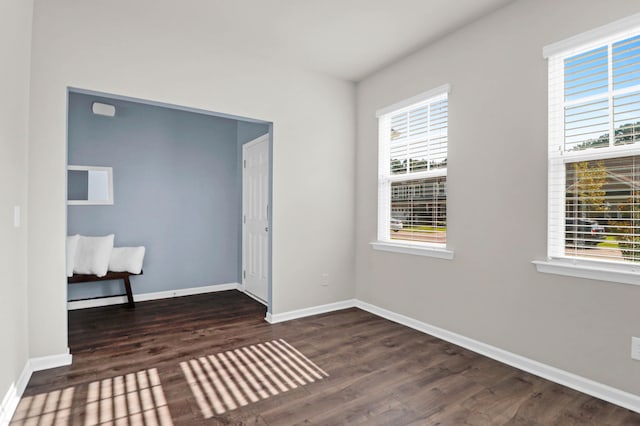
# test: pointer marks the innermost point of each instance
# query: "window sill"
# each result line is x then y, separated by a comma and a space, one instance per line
623, 274
418, 250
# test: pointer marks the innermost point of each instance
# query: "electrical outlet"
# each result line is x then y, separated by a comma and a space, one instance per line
635, 348
324, 279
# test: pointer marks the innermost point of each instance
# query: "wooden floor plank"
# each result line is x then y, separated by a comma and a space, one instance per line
379, 373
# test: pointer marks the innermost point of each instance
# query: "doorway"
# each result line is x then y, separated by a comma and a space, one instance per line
193, 160
255, 218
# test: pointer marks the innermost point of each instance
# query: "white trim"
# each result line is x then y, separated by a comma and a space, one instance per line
594, 154
96, 303
185, 292
16, 389
9, 404
51, 361
603, 39
593, 271
12, 397
386, 177
116, 300
565, 378
595, 36
440, 90
417, 175
306, 312
579, 383
415, 249
556, 375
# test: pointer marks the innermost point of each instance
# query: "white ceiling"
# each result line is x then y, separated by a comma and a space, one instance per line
349, 39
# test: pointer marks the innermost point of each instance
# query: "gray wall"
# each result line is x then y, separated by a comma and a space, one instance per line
497, 212
176, 191
15, 45
174, 64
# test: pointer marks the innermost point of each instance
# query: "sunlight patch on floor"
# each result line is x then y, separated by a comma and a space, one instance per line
232, 379
136, 398
51, 408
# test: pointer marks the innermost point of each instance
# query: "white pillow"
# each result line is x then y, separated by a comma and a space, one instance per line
127, 259
93, 254
72, 245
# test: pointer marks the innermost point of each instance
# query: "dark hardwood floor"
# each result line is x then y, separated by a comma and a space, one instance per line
212, 359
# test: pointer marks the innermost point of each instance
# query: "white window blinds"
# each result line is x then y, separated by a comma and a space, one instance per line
594, 155
413, 140
418, 138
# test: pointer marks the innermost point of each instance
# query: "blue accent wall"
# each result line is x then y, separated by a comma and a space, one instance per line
248, 131
177, 190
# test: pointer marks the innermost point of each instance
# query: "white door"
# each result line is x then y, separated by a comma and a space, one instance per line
255, 217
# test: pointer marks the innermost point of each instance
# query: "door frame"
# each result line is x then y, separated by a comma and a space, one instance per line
260, 139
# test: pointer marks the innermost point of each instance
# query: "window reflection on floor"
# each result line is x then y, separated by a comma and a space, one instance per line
135, 398
220, 383
132, 399
232, 379
51, 408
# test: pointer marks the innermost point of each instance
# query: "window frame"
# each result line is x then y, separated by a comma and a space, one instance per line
386, 179
556, 262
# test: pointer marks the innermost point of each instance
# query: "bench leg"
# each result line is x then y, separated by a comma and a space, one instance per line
127, 287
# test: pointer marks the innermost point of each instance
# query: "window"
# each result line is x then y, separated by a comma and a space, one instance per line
594, 149
412, 183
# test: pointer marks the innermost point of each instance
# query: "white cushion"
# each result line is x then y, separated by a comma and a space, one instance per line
93, 254
127, 259
72, 245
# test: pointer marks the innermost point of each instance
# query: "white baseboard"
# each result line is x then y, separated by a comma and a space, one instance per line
117, 300
13, 395
9, 405
51, 361
314, 310
16, 389
579, 383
